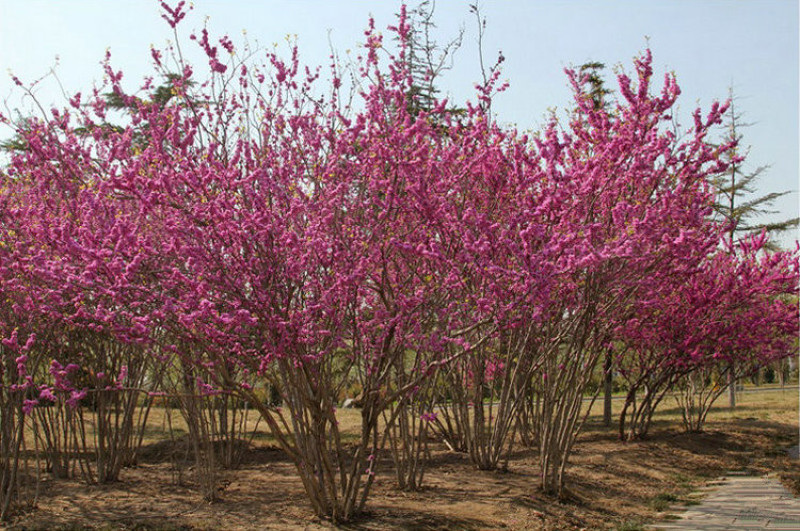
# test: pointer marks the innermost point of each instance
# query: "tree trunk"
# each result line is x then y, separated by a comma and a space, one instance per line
608, 382
731, 387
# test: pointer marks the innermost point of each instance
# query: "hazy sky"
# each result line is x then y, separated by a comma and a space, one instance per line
711, 45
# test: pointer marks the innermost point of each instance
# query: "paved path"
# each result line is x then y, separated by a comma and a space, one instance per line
738, 503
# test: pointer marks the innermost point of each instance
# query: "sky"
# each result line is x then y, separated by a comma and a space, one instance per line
711, 46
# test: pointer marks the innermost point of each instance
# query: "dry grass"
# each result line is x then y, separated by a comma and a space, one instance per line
613, 485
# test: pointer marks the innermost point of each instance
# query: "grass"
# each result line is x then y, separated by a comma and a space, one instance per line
683, 481
164, 423
662, 501
615, 485
631, 525
758, 404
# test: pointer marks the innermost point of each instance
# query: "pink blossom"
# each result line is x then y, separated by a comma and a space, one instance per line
46, 393
429, 417
28, 405
75, 397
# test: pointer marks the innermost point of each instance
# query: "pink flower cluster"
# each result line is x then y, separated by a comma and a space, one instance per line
263, 229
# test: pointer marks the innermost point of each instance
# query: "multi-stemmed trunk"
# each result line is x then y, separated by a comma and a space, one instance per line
644, 395
484, 394
407, 422
12, 440
573, 346
336, 476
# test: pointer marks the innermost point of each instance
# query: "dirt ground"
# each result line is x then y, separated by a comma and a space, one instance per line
613, 485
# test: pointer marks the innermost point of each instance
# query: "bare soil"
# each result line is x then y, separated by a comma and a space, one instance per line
611, 484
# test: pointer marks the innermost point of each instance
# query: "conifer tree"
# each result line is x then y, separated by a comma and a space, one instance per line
737, 201
427, 59
738, 204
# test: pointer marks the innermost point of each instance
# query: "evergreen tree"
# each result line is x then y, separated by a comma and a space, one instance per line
160, 95
593, 70
427, 59
737, 201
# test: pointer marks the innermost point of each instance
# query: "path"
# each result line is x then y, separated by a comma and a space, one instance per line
738, 503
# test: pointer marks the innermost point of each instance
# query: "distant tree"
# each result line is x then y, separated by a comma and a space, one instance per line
158, 96
737, 203
593, 72
17, 141
426, 58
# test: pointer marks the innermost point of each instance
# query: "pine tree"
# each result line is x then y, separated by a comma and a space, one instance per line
160, 95
737, 203
593, 72
427, 59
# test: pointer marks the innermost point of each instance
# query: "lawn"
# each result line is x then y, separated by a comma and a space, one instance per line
613, 485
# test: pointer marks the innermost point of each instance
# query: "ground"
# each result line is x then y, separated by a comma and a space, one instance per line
612, 485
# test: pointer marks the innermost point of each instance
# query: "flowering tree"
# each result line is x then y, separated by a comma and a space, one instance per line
753, 323
734, 310
288, 252
625, 204
260, 232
